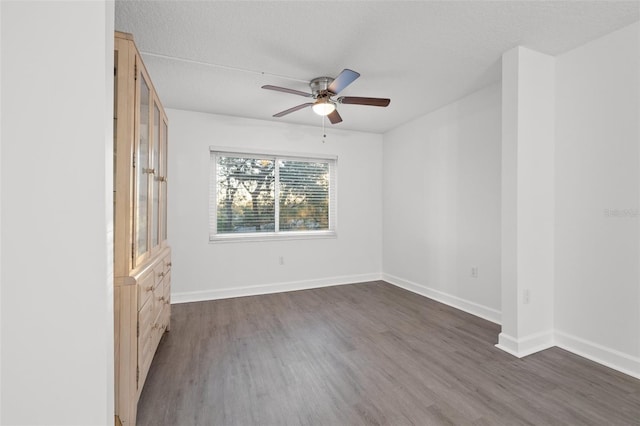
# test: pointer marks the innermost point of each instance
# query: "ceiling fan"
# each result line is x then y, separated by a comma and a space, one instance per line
323, 91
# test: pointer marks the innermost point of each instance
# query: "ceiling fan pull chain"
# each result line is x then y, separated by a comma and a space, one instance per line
324, 134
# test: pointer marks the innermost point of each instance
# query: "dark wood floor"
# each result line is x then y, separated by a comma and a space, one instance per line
366, 354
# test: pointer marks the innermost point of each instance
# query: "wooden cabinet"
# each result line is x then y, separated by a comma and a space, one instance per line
142, 257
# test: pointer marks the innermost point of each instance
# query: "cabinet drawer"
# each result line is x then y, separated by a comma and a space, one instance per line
167, 288
166, 317
167, 263
157, 330
146, 284
166, 311
158, 272
145, 351
158, 299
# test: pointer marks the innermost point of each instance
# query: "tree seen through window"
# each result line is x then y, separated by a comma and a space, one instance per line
247, 187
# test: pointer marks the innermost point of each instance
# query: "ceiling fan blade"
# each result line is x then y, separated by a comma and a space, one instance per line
284, 89
345, 78
334, 117
294, 109
379, 102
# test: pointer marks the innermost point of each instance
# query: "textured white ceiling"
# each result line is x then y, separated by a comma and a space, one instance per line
421, 54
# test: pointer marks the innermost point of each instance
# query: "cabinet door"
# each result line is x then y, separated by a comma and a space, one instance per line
155, 180
141, 223
163, 180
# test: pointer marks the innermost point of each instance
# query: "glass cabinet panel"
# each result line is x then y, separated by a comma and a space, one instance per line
142, 177
155, 181
164, 153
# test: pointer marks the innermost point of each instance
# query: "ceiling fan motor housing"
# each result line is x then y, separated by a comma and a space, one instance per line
320, 87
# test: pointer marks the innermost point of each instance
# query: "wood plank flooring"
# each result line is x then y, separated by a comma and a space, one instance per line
365, 354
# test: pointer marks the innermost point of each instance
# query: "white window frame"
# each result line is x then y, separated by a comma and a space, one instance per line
214, 237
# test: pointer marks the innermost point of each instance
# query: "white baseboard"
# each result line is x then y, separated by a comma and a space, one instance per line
254, 290
526, 345
464, 305
608, 357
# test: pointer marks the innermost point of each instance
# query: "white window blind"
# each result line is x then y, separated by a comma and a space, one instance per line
265, 196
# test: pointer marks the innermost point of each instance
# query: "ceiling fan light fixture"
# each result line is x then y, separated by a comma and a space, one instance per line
323, 107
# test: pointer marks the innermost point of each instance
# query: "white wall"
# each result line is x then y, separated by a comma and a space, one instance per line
56, 297
204, 270
528, 130
597, 289
441, 208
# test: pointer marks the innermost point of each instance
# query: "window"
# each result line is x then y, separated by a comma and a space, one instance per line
265, 196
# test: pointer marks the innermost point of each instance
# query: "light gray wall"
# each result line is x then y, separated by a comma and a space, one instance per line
56, 192
528, 129
431, 240
204, 270
441, 198
597, 290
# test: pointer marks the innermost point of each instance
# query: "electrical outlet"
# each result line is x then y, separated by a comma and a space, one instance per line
526, 296
474, 272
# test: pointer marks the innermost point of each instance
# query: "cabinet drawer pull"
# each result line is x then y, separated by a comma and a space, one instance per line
150, 171
168, 264
148, 288
161, 274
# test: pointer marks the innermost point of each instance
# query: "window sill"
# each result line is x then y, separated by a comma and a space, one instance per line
272, 236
